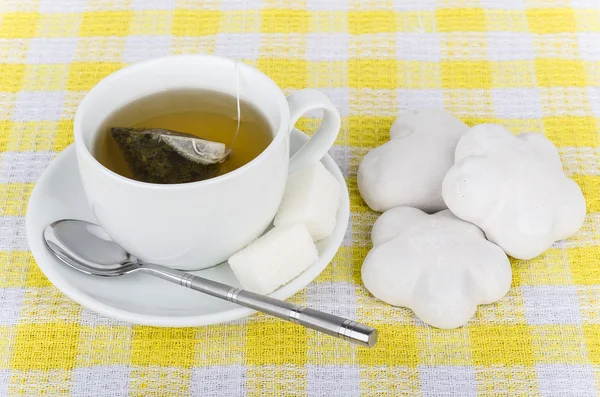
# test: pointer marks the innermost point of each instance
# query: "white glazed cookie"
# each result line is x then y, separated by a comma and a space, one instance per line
514, 189
409, 169
437, 265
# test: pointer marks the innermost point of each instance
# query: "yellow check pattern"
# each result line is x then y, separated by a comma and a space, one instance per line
529, 65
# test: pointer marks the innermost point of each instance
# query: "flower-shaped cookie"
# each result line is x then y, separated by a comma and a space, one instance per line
514, 189
409, 169
437, 265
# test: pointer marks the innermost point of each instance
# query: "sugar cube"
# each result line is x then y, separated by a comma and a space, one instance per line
274, 258
312, 197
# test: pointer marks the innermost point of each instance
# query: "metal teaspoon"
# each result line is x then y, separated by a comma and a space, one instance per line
86, 247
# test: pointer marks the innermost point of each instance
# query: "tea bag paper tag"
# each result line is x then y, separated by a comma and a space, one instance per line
196, 149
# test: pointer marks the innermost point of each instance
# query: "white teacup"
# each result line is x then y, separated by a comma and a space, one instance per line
200, 224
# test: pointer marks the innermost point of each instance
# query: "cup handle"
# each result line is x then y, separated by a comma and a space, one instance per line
301, 102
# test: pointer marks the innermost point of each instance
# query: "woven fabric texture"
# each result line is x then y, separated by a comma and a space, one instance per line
529, 65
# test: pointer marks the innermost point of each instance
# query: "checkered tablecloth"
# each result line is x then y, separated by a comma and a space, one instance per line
529, 65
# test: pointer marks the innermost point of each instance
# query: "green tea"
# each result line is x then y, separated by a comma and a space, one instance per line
203, 114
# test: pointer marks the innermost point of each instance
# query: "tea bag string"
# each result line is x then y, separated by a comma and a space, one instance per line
237, 91
239, 116
237, 97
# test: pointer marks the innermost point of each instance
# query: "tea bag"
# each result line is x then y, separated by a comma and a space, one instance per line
157, 155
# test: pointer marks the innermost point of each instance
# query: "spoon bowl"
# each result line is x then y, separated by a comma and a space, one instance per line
86, 247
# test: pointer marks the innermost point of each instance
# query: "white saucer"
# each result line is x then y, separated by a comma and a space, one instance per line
138, 298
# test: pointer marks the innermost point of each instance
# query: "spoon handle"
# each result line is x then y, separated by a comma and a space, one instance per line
323, 322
